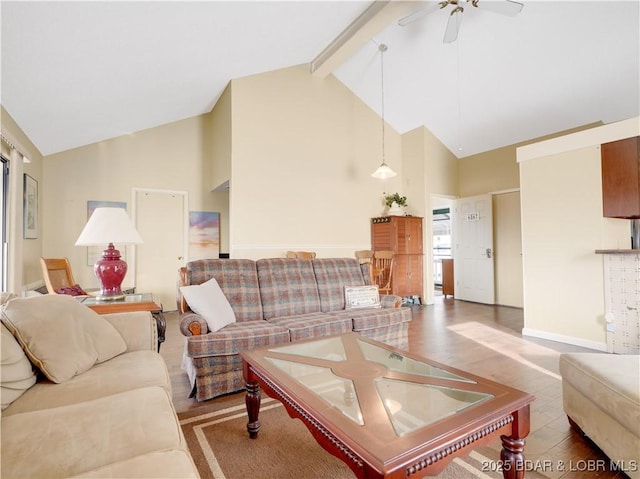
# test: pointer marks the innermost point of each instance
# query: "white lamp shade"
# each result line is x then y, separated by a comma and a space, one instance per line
383, 172
109, 225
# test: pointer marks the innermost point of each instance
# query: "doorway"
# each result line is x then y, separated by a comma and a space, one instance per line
473, 249
441, 230
162, 219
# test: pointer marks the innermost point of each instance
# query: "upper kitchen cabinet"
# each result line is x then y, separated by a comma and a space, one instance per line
621, 178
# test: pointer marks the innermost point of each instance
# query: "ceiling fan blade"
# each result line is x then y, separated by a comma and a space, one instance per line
453, 25
508, 7
418, 14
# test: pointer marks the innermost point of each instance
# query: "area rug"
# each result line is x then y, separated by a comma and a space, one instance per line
221, 448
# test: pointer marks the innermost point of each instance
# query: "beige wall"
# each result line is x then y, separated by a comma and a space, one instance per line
23, 254
303, 151
562, 226
430, 172
218, 139
488, 172
497, 172
507, 240
168, 157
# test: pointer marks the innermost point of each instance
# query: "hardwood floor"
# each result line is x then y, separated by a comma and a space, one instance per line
484, 340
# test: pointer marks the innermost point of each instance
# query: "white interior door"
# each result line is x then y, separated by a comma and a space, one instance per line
161, 219
473, 249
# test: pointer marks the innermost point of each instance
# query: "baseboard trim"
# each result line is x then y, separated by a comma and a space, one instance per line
561, 338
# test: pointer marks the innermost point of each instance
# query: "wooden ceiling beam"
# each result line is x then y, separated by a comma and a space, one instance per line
373, 20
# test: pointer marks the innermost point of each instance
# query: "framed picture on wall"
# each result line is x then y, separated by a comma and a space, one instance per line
30, 207
204, 235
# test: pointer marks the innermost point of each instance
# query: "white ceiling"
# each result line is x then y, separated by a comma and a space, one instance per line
74, 73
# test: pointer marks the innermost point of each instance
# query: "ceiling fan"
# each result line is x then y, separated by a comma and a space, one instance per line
506, 7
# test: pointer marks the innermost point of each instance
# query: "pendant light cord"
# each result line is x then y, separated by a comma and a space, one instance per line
383, 48
458, 81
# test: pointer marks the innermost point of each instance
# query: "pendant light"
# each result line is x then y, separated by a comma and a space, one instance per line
383, 172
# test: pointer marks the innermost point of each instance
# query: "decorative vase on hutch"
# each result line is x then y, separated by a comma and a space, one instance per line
395, 210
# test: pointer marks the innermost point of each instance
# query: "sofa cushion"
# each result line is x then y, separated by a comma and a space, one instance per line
237, 278
208, 300
371, 318
143, 369
313, 325
236, 337
612, 381
287, 287
332, 275
167, 464
73, 439
16, 372
60, 336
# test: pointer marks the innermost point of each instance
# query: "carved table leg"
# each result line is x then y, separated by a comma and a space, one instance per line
161, 324
512, 454
512, 457
252, 400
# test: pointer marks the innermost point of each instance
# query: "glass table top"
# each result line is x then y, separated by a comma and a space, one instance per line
128, 298
414, 394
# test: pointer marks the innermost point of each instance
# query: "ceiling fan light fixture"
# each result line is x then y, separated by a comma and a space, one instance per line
506, 7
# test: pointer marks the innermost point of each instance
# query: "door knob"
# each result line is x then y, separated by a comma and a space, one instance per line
488, 252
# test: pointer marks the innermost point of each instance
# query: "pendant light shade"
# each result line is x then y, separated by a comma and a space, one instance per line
383, 172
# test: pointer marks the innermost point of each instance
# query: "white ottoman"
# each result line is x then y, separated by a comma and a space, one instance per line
601, 396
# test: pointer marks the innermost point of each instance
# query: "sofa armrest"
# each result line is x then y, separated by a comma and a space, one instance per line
138, 329
192, 324
390, 301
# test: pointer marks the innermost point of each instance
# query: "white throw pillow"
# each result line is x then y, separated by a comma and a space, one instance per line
208, 300
361, 297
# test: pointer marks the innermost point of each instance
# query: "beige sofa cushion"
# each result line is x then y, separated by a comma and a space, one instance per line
71, 440
612, 381
16, 372
128, 371
61, 337
172, 464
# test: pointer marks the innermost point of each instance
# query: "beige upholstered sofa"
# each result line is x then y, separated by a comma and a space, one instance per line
601, 397
85, 395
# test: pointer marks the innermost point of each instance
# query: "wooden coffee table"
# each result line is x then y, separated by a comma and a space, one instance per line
128, 304
383, 411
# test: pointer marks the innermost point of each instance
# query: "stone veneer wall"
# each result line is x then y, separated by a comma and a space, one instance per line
622, 302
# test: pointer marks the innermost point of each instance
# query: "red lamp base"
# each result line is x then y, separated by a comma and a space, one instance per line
110, 271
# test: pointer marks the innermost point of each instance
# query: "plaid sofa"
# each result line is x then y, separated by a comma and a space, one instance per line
275, 301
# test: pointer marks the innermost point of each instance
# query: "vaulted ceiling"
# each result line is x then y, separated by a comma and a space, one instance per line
74, 73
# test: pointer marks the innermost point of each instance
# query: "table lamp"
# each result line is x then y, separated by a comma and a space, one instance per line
109, 226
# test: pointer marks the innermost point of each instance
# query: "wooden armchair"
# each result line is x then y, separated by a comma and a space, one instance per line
365, 256
382, 270
57, 274
301, 254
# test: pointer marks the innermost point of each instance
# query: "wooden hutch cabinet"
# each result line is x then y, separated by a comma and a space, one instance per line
403, 236
621, 178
